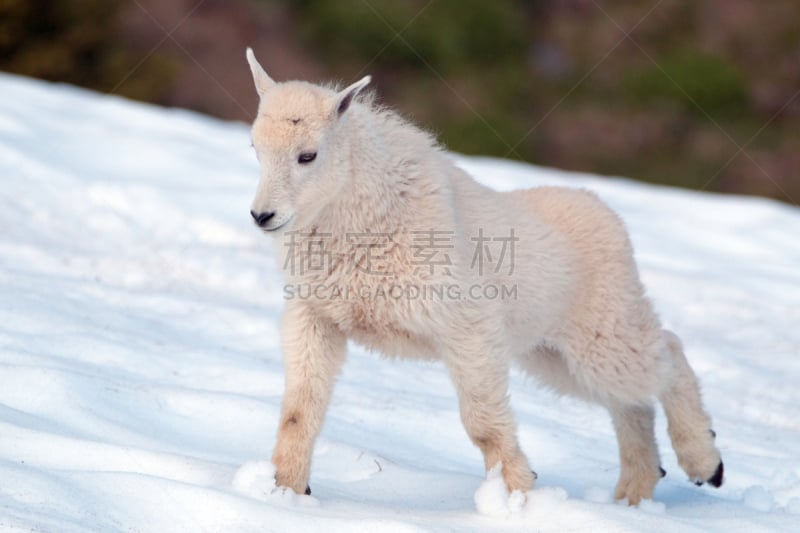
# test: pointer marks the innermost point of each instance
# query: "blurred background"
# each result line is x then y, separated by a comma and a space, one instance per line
702, 94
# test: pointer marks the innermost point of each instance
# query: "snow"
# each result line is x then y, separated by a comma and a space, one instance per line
141, 374
492, 497
256, 479
758, 498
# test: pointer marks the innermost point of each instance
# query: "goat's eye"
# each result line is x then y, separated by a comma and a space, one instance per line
306, 157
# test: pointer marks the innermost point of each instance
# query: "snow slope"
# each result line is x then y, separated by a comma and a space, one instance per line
140, 370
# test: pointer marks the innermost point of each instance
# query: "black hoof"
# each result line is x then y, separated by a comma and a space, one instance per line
662, 471
716, 479
308, 490
713, 433
535, 475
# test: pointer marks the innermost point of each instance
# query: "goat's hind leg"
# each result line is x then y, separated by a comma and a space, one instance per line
689, 425
638, 452
633, 421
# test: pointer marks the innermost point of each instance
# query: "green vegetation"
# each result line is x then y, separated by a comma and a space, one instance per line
449, 36
77, 41
705, 85
665, 92
558, 84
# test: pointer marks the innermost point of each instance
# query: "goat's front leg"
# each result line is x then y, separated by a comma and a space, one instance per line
313, 355
480, 376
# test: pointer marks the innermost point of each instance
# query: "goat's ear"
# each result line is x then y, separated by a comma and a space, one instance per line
260, 77
345, 97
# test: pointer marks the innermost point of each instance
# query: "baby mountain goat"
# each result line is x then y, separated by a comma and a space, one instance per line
388, 243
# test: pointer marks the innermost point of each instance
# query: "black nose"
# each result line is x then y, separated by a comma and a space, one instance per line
262, 218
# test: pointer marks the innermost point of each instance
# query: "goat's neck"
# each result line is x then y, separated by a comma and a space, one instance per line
368, 200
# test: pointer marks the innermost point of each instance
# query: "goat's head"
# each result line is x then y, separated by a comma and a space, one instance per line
294, 139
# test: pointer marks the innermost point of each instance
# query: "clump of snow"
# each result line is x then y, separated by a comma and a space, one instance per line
255, 479
492, 496
758, 498
516, 501
652, 507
